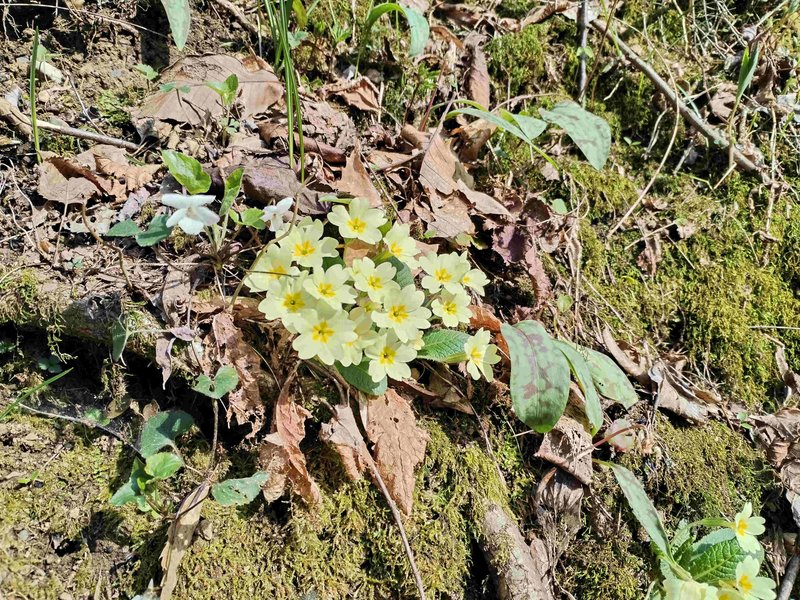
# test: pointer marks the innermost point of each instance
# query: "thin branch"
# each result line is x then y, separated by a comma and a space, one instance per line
88, 135
789, 577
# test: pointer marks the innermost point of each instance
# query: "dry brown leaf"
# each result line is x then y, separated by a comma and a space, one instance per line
438, 168
568, 446
360, 93
634, 368
483, 203
113, 161
283, 444
63, 181
259, 89
478, 82
483, 317
269, 131
268, 180
790, 378
343, 434
399, 445
447, 392
474, 136
558, 511
356, 249
452, 218
545, 12
179, 537
356, 181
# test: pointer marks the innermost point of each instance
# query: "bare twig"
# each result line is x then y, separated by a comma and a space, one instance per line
789, 577
710, 132
88, 135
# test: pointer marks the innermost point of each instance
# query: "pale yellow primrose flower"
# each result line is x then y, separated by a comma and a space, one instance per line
443, 270
481, 355
307, 245
191, 214
286, 299
746, 527
750, 585
403, 313
474, 278
678, 589
376, 281
401, 245
452, 308
417, 342
728, 594
358, 220
367, 303
275, 263
330, 286
353, 352
323, 332
389, 357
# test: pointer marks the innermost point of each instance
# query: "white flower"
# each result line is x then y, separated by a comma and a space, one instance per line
285, 300
275, 215
353, 352
307, 245
403, 313
746, 527
269, 266
192, 214
678, 589
330, 286
401, 245
452, 308
749, 584
358, 220
389, 357
375, 281
443, 270
323, 332
481, 355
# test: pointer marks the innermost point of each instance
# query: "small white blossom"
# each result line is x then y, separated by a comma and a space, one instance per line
749, 584
443, 271
275, 263
191, 214
747, 527
353, 352
307, 245
275, 216
678, 589
452, 308
401, 245
286, 299
376, 281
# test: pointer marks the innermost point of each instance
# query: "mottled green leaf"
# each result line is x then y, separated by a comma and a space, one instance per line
236, 492
126, 228
530, 126
643, 509
162, 465
583, 375
187, 171
589, 132
609, 379
402, 276
224, 381
417, 24
119, 338
444, 345
539, 375
179, 15
162, 429
717, 562
156, 232
130, 489
358, 377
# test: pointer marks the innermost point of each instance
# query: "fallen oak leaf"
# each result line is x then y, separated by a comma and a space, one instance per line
356, 181
360, 93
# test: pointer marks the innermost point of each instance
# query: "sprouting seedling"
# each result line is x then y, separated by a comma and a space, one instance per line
417, 24
32, 93
226, 89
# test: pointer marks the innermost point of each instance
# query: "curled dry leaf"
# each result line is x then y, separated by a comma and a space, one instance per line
342, 432
569, 446
280, 454
179, 537
558, 512
399, 445
113, 161
478, 82
63, 181
356, 181
360, 93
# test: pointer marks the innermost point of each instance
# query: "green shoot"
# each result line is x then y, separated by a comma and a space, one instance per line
32, 94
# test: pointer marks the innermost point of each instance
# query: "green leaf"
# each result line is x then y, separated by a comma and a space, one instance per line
95, 415
643, 509
232, 186
187, 170
530, 126
300, 14
402, 276
162, 429
119, 338
610, 380
417, 23
224, 381
717, 562
227, 90
130, 489
149, 72
747, 70
157, 231
583, 375
358, 377
251, 217
492, 118
126, 228
162, 465
444, 345
236, 492
179, 14
589, 132
539, 375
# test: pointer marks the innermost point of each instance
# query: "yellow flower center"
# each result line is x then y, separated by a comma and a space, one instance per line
326, 290
395, 248
398, 313
466, 279
475, 355
321, 332
293, 302
745, 584
357, 225
304, 248
450, 308
741, 527
387, 356
442, 275
374, 282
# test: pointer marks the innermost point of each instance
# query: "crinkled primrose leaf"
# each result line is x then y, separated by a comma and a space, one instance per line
237, 492
444, 345
162, 429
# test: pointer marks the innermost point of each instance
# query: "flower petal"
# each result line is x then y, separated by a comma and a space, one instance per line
190, 226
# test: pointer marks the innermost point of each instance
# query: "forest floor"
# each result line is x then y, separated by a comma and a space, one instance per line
675, 258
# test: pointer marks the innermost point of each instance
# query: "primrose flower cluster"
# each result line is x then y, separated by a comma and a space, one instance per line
356, 311
746, 583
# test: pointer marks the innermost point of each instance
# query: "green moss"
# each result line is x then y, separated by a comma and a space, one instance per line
516, 60
114, 106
